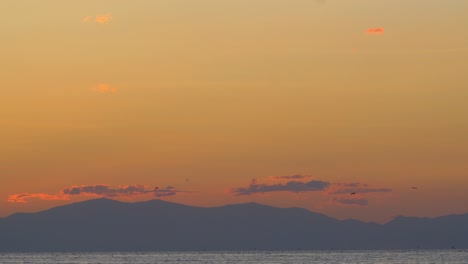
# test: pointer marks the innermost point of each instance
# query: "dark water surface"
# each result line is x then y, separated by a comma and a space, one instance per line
417, 256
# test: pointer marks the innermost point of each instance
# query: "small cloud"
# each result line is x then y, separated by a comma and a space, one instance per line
292, 177
168, 191
354, 184
362, 190
103, 19
100, 19
375, 31
105, 88
355, 187
99, 190
21, 197
86, 19
354, 193
106, 190
291, 186
350, 201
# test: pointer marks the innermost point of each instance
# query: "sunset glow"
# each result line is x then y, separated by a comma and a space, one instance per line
339, 107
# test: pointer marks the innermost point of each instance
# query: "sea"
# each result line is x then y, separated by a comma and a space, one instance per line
270, 257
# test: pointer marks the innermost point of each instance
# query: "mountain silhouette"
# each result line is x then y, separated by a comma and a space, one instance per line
156, 225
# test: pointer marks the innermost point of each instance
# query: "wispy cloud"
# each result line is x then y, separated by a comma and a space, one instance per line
342, 193
291, 186
362, 190
106, 190
168, 191
99, 190
375, 31
126, 191
354, 193
105, 88
100, 19
86, 19
291, 177
103, 19
21, 197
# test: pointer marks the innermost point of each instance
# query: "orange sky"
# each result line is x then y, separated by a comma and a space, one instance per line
216, 102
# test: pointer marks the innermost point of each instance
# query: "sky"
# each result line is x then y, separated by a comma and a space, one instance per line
207, 102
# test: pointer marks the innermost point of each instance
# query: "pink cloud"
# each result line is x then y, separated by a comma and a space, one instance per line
103, 19
105, 88
100, 19
99, 190
375, 31
21, 197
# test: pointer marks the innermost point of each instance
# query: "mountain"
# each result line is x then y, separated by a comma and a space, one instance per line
109, 225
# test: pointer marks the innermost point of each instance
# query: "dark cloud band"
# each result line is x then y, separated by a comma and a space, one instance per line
292, 186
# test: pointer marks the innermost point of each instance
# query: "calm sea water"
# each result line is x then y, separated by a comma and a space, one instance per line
419, 256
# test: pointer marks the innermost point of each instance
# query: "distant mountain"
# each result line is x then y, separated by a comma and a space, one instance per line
108, 225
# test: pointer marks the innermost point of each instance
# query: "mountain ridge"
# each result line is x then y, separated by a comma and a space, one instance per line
155, 225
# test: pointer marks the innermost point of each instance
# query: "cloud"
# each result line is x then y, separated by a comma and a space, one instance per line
126, 191
100, 19
99, 190
291, 186
292, 177
21, 197
103, 19
106, 190
356, 187
299, 183
360, 193
86, 19
105, 88
375, 31
354, 184
168, 191
350, 201
362, 190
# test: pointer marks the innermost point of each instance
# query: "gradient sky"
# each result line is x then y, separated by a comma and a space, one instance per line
286, 103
